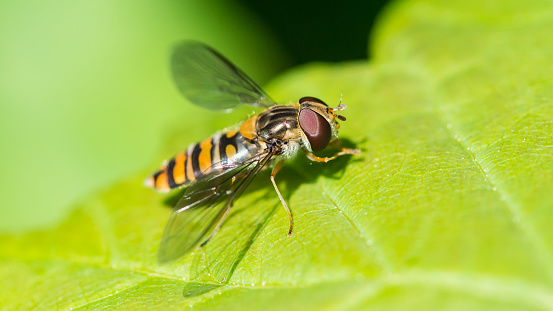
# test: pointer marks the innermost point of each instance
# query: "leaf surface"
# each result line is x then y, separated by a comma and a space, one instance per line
447, 208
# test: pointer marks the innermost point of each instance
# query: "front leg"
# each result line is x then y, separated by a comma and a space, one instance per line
342, 151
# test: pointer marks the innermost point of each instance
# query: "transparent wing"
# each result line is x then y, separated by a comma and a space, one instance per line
209, 80
203, 205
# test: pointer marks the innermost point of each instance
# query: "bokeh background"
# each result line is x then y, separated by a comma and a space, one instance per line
86, 97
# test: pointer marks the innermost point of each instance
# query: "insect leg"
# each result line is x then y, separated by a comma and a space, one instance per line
217, 227
343, 151
273, 174
220, 223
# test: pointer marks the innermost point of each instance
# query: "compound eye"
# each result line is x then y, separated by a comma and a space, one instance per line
316, 128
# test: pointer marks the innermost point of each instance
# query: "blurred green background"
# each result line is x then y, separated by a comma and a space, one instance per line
85, 92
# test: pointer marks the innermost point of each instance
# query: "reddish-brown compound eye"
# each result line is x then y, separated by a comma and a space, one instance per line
316, 128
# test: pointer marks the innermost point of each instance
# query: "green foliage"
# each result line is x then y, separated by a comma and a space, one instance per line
447, 208
86, 93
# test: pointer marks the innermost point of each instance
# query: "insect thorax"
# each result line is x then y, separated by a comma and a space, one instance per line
278, 122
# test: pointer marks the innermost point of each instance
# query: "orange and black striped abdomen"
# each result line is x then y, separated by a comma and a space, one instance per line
200, 159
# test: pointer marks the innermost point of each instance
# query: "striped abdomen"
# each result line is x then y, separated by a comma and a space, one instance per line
198, 159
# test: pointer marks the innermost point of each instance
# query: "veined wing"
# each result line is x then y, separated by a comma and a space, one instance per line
204, 204
209, 80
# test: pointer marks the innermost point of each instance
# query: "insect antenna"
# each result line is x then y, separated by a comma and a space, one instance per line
340, 107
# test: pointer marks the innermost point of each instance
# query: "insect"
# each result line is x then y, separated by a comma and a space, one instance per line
217, 170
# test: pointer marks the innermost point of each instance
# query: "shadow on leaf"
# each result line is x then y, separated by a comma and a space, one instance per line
197, 289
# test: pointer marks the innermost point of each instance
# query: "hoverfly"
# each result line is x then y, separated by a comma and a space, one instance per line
217, 170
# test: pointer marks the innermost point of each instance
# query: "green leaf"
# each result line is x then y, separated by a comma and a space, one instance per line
447, 208
86, 84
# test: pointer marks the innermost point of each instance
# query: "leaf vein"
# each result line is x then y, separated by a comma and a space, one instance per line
518, 217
